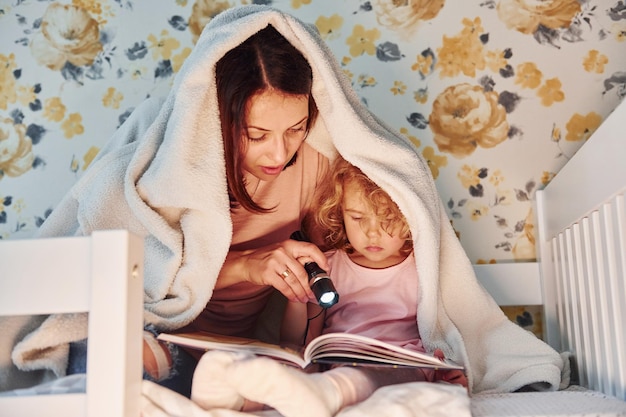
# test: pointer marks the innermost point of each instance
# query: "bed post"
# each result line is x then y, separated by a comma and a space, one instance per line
551, 330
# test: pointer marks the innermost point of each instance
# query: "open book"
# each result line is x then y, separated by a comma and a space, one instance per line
328, 348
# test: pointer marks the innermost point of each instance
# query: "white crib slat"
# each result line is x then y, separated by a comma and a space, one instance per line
620, 207
606, 364
559, 266
593, 280
615, 288
570, 292
620, 273
594, 356
581, 329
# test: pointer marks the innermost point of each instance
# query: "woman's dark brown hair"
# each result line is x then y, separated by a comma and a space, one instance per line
264, 61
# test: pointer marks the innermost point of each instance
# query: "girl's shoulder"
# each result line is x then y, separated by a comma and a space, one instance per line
337, 256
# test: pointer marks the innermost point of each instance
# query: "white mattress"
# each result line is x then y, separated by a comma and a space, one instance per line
574, 401
70, 384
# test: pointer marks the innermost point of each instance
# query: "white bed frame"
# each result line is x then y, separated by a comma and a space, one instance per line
582, 222
580, 276
103, 275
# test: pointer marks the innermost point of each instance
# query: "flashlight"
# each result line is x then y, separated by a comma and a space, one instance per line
321, 284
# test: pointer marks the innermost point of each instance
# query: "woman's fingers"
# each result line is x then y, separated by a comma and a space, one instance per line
293, 283
306, 252
281, 266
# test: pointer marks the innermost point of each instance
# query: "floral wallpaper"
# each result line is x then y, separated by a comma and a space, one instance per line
496, 95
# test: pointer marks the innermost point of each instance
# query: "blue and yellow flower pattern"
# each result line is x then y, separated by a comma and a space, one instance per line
496, 95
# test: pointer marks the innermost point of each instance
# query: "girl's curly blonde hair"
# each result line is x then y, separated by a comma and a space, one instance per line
329, 214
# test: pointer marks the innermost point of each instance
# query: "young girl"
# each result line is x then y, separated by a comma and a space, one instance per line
371, 263
372, 266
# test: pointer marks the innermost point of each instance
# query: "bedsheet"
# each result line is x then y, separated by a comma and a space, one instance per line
70, 384
574, 401
402, 400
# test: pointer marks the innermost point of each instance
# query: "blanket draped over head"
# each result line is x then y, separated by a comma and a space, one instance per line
162, 177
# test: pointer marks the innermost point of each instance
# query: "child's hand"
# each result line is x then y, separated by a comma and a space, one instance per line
453, 376
157, 360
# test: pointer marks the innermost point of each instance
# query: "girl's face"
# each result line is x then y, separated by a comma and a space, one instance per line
276, 126
373, 246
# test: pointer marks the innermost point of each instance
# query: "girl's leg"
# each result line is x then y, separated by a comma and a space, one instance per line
228, 380
236, 381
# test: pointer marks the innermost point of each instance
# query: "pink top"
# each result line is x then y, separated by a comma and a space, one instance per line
234, 310
379, 303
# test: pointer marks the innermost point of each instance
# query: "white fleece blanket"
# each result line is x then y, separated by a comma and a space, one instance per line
162, 177
414, 399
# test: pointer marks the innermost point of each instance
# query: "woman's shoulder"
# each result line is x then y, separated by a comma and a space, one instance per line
308, 152
313, 162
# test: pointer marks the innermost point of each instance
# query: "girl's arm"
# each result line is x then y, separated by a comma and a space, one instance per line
301, 323
315, 317
293, 326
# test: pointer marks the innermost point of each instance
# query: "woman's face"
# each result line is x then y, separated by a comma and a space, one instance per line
276, 127
373, 246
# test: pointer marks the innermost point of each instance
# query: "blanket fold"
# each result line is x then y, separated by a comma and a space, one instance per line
162, 177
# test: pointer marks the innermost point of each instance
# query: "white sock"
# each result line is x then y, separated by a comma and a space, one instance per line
227, 380
208, 388
290, 391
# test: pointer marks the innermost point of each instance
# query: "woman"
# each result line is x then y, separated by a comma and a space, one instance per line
165, 175
266, 111
263, 91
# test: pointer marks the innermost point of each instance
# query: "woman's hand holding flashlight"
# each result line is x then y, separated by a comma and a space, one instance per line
279, 265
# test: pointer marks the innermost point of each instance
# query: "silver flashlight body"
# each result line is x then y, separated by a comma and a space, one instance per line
321, 285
